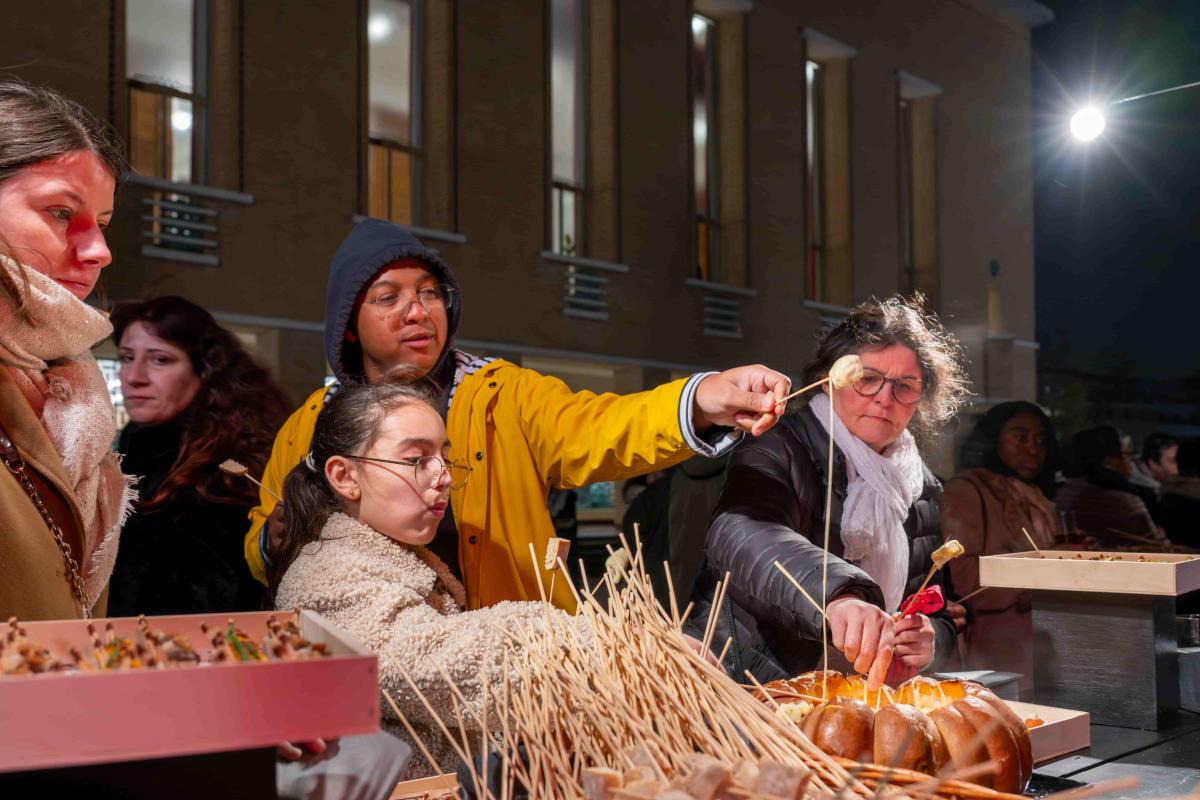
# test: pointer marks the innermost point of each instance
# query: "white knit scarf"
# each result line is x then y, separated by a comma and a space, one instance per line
54, 354
881, 489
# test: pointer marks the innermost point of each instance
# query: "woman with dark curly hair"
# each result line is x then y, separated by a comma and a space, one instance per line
883, 519
1003, 489
195, 398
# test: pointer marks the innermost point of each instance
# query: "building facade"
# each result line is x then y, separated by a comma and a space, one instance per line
627, 190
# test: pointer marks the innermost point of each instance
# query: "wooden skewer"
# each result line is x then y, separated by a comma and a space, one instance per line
932, 571
800, 589
969, 595
237, 468
1031, 541
799, 392
1166, 546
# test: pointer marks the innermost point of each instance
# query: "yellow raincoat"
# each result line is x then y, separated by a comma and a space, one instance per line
522, 433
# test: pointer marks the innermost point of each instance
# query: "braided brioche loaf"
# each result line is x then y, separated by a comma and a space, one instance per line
923, 725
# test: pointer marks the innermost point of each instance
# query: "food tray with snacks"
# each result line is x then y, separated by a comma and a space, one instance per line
1054, 732
77, 692
1164, 574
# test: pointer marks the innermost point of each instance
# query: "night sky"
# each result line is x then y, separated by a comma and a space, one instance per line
1117, 238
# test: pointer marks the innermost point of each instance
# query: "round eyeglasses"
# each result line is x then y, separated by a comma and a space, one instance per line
904, 390
389, 301
428, 470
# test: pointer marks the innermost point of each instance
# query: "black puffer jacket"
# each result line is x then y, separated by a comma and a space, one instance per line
186, 557
772, 509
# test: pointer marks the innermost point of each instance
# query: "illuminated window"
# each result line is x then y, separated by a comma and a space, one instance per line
718, 94
704, 145
917, 191
110, 368
393, 74
828, 209
568, 125
166, 97
812, 185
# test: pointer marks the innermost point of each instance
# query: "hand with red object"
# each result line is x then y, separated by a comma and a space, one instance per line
915, 634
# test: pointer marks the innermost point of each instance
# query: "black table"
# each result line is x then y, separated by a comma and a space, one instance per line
1167, 762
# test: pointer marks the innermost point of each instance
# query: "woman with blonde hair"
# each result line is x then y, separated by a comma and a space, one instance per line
62, 494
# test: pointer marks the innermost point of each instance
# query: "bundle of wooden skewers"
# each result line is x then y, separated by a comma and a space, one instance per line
636, 712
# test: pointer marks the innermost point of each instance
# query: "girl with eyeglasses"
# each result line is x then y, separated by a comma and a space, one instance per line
358, 514
884, 522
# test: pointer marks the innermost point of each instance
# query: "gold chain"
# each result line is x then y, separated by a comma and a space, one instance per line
16, 465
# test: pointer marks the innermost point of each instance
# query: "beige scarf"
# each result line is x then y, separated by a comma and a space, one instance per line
52, 358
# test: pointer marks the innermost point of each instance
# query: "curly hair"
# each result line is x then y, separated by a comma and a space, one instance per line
876, 324
235, 414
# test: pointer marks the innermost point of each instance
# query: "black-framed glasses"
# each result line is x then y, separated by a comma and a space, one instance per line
428, 470
389, 301
904, 390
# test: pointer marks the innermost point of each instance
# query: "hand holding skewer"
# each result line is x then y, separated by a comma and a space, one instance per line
844, 372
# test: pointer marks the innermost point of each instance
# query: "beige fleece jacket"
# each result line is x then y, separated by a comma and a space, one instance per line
399, 600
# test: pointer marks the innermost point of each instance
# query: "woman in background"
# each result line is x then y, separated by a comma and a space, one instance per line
195, 398
1003, 489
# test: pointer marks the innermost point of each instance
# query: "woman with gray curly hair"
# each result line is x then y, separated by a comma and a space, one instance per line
883, 518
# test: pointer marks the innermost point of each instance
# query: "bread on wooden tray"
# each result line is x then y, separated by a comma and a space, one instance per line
922, 725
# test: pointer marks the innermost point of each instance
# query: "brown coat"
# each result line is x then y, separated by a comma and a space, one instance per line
985, 513
33, 577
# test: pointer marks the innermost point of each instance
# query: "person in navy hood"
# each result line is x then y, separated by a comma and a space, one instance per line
393, 309
422, 337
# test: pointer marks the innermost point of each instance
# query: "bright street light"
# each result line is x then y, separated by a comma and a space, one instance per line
1087, 123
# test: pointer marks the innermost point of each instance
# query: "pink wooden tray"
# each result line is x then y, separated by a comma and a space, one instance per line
70, 719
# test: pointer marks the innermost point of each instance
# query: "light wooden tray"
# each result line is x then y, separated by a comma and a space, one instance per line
1065, 730
70, 719
1168, 574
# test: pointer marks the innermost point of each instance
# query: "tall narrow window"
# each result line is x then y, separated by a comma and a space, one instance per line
812, 187
392, 151
828, 208
166, 90
917, 190
568, 82
704, 146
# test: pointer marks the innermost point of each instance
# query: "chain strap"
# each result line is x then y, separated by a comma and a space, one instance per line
16, 465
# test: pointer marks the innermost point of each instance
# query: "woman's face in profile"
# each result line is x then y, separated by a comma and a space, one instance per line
392, 497
157, 378
1021, 445
53, 215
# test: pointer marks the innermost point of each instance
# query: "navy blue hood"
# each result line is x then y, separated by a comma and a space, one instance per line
372, 245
